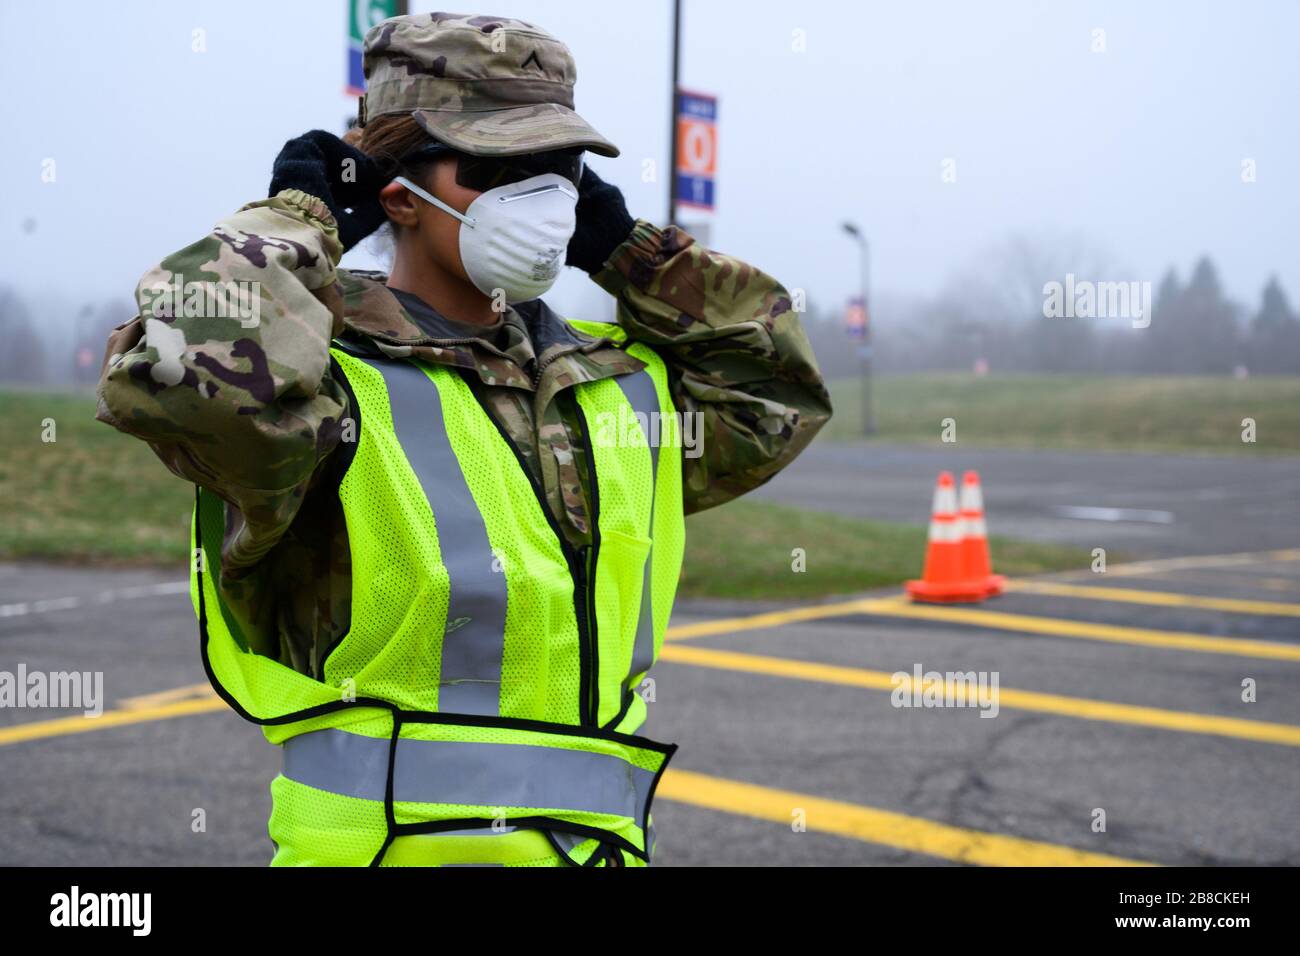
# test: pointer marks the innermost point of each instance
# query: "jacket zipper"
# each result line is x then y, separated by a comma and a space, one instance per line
579, 571
589, 554
541, 366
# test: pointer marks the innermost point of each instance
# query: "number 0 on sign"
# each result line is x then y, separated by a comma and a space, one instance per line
697, 148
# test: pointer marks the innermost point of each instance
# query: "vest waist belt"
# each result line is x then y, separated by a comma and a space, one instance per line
470, 773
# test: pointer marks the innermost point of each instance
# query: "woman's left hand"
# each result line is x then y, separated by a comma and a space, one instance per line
337, 173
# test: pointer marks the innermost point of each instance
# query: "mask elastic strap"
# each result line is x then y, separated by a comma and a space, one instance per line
435, 201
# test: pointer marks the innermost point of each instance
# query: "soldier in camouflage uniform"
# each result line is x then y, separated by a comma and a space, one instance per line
252, 412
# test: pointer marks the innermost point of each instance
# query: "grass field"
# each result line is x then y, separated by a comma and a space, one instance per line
1096, 412
95, 495
744, 550
91, 494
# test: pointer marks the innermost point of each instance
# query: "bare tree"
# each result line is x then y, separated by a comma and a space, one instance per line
23, 357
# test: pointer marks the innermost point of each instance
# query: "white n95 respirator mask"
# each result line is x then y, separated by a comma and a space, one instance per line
513, 237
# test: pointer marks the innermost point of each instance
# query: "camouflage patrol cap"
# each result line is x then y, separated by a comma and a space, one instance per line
490, 86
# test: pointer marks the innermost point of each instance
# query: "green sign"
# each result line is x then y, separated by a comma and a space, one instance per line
362, 15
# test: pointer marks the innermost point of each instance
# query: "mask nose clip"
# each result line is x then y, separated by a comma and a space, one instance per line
538, 191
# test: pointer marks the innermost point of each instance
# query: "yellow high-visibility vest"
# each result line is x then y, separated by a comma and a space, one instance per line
487, 688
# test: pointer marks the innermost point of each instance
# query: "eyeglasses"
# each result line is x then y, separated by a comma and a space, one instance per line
482, 173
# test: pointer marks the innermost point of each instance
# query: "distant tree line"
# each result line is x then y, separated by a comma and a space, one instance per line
990, 317
1194, 329
56, 350
22, 356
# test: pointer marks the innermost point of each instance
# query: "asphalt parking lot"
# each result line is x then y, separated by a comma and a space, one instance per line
1122, 696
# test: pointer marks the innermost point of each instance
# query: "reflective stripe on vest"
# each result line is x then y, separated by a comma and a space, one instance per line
470, 682
639, 389
469, 774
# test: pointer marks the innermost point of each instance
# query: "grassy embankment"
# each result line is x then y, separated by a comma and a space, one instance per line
1084, 412
95, 495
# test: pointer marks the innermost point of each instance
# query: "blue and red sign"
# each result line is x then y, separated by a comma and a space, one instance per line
697, 148
855, 318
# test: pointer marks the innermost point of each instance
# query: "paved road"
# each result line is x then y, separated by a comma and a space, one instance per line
876, 784
1138, 504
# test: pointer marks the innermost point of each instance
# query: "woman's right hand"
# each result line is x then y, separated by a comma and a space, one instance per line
337, 173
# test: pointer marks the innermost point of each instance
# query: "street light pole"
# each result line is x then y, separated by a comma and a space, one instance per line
864, 348
672, 113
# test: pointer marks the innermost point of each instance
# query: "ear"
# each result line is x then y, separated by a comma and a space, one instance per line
399, 204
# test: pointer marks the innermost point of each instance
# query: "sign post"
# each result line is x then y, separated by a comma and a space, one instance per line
858, 325
692, 144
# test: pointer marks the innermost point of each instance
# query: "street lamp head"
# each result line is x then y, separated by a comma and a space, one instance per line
851, 229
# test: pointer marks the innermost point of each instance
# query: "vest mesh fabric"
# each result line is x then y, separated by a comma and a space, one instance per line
401, 587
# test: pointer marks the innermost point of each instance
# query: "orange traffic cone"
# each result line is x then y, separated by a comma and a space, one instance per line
944, 578
976, 565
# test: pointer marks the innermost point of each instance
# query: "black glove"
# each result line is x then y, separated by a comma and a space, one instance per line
603, 223
315, 163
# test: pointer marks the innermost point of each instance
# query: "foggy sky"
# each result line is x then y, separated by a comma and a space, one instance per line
1138, 149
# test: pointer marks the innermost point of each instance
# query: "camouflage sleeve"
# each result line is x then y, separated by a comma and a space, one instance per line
225, 370
737, 356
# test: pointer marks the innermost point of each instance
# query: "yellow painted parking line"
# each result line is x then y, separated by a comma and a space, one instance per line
1078, 707
870, 825
168, 696
1087, 630
901, 606
1226, 579
1159, 598
1202, 561
37, 729
750, 622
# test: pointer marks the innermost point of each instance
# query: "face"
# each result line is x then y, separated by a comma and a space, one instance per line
424, 231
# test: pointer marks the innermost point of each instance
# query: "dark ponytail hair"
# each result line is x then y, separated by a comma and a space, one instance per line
387, 139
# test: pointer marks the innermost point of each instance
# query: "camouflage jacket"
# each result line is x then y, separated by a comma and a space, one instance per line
253, 410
